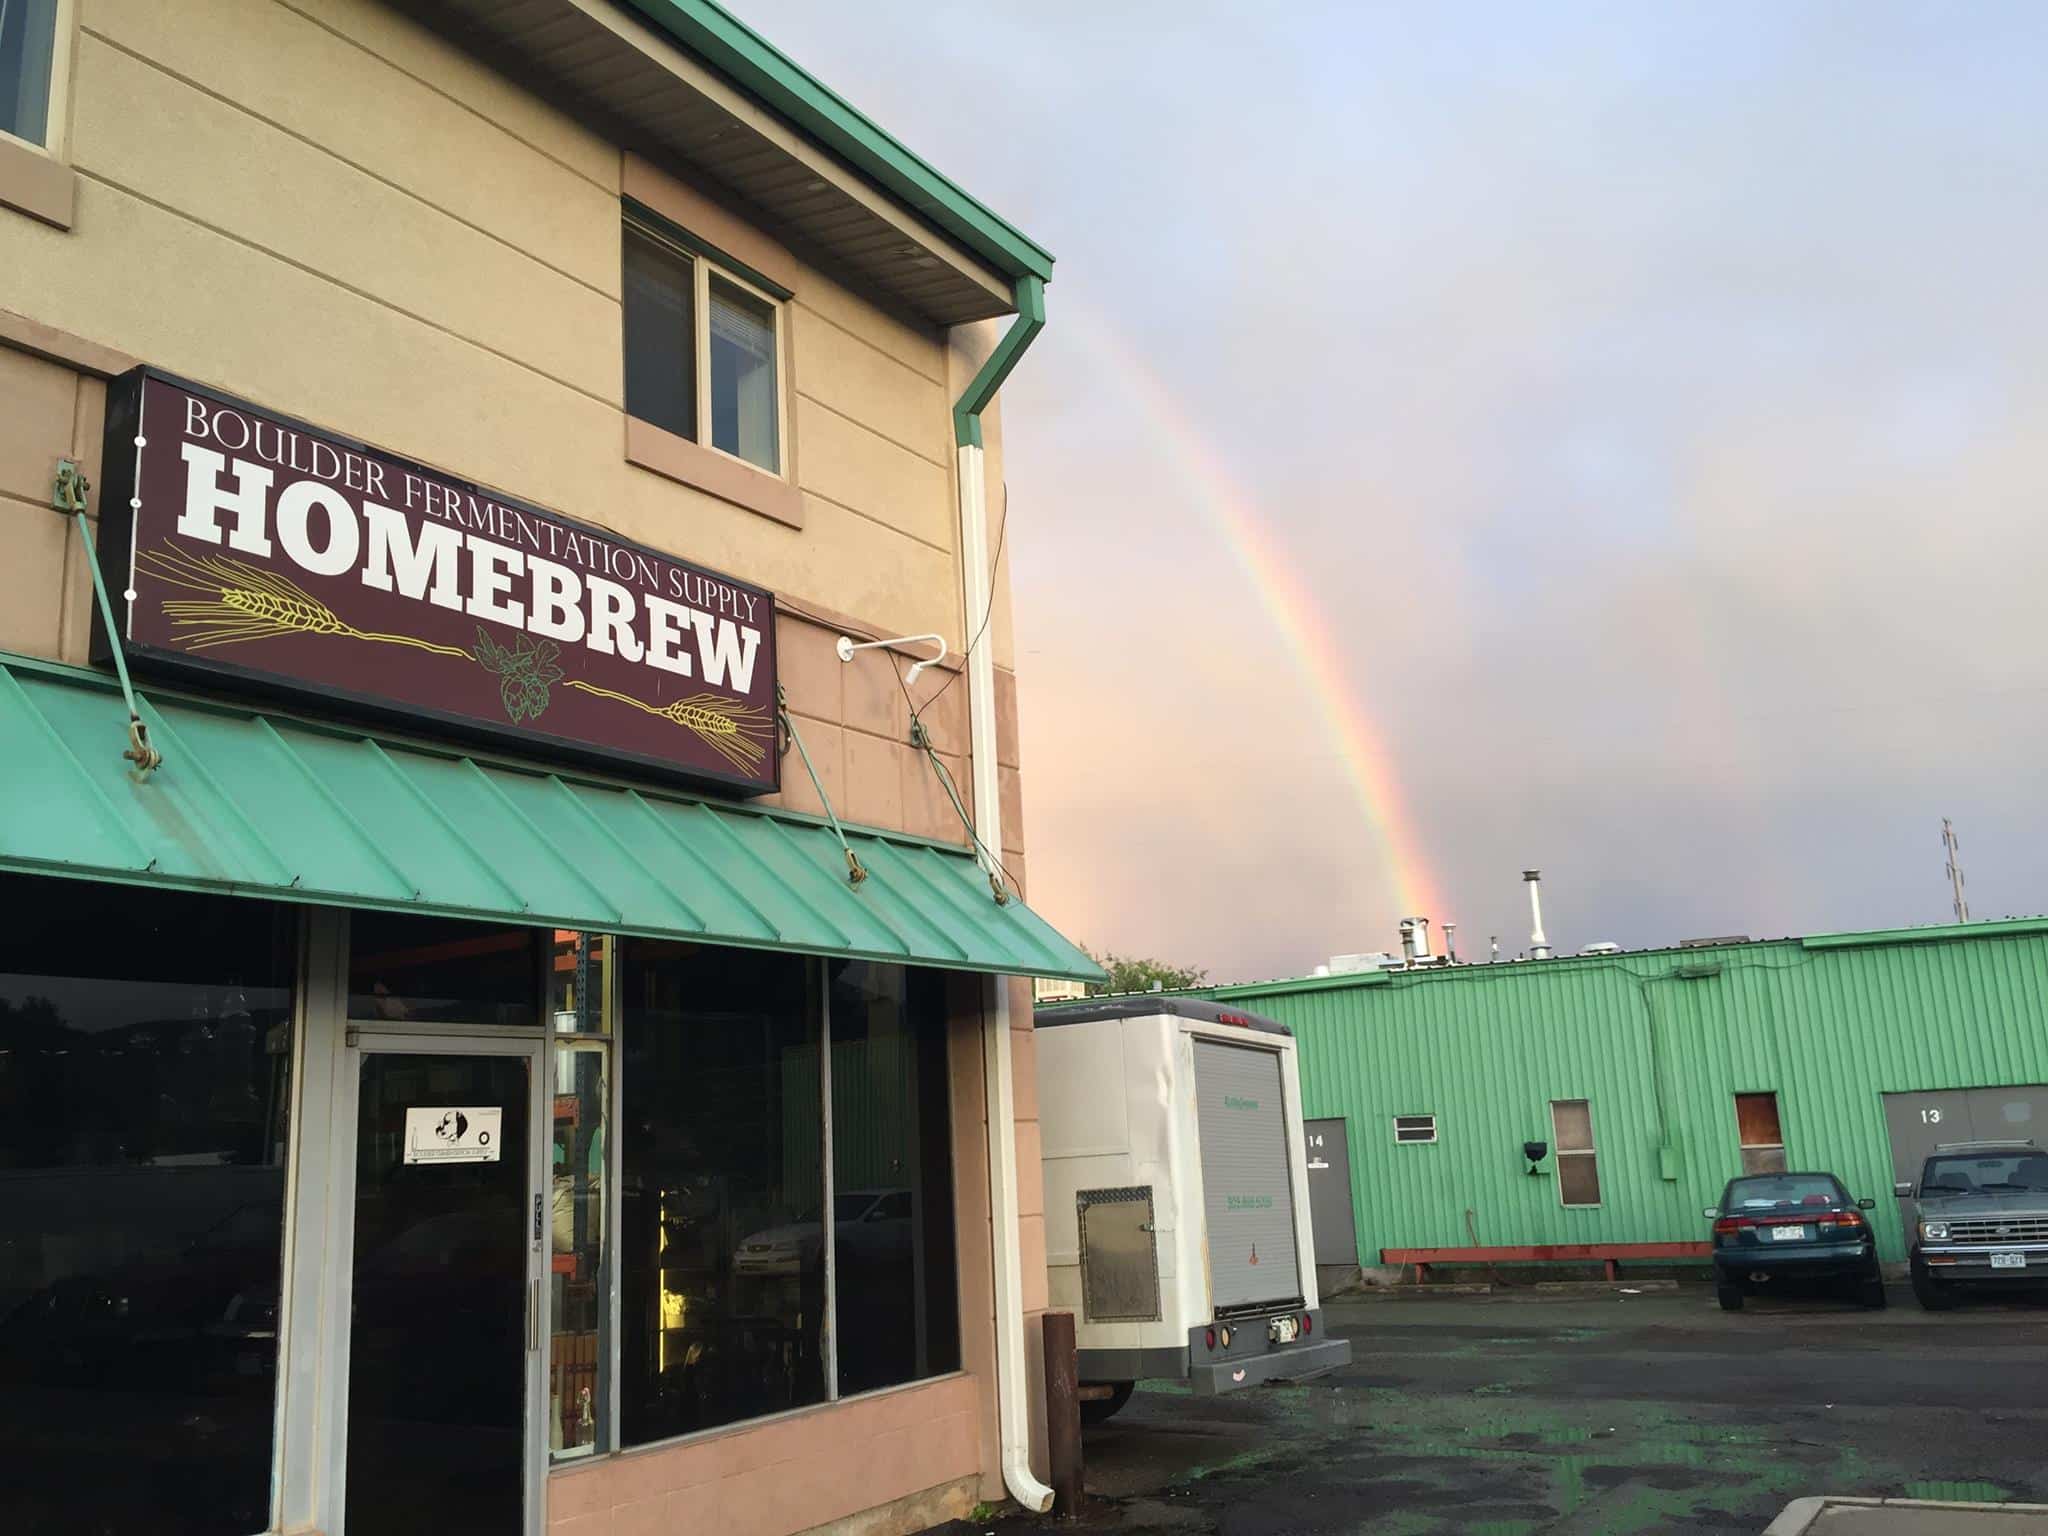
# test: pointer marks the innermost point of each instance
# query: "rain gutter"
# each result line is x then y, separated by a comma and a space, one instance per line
1013, 1400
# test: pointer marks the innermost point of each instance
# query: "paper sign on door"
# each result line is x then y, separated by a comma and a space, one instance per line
439, 1134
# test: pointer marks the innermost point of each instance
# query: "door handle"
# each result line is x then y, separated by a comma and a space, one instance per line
533, 1316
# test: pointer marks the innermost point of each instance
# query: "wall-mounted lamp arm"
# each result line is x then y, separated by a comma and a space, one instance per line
846, 647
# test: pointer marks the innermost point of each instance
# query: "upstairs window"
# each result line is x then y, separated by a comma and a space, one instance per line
28, 56
661, 334
701, 347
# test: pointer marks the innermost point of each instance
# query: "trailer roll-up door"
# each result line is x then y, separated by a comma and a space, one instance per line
1247, 1176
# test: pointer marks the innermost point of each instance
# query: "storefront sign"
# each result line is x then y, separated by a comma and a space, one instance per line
248, 546
448, 1134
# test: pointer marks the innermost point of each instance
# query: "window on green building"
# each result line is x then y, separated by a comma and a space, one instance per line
1578, 1167
1759, 1133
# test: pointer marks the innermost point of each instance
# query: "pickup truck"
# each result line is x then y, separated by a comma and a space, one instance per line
1983, 1219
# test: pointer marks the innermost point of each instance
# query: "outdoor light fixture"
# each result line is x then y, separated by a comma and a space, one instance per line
1534, 1151
846, 647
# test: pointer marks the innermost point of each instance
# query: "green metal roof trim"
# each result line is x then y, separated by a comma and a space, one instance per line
726, 43
1685, 963
1996, 928
275, 806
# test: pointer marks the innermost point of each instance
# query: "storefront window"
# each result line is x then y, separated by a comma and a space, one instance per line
437, 970
721, 1248
145, 1053
897, 1301
579, 1002
579, 1370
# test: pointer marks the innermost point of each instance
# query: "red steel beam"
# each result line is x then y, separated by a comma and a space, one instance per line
1582, 1252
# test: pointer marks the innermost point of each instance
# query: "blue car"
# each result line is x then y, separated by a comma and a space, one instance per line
1781, 1231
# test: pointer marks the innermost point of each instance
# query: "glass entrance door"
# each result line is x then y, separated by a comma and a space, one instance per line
442, 1338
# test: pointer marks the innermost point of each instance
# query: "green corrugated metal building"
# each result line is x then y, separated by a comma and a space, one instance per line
1659, 1045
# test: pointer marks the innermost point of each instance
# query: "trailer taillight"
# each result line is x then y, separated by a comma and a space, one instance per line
1308, 1322
1209, 1338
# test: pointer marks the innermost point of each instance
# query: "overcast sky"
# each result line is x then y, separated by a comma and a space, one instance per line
1651, 397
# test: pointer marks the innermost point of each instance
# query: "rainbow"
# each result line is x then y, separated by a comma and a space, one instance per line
1361, 747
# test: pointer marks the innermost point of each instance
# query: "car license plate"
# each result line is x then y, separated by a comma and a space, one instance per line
2008, 1261
1788, 1234
1283, 1330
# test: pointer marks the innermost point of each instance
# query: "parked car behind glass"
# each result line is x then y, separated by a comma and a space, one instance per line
1785, 1230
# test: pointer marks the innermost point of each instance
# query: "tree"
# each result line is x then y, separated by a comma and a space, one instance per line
1131, 973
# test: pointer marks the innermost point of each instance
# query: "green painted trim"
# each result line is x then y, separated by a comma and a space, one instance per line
1939, 933
888, 918
983, 386
667, 229
483, 757
1702, 963
1345, 982
751, 62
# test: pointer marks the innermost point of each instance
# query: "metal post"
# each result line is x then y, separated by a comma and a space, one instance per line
1954, 850
1063, 1414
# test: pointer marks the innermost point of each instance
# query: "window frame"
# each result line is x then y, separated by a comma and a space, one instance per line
611, 1442
37, 179
603, 1042
57, 114
1744, 1148
704, 261
1590, 1150
1401, 1140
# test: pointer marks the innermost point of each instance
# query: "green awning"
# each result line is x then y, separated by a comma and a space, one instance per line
277, 806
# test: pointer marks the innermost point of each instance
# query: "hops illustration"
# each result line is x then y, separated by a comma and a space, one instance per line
525, 669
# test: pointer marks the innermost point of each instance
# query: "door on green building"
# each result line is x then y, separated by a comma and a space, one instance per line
1919, 1122
1329, 1192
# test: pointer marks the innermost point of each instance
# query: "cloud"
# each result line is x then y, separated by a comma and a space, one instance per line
1650, 398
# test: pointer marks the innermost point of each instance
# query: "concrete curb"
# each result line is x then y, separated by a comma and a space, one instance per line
1432, 1292
1801, 1515
1603, 1287
1414, 1293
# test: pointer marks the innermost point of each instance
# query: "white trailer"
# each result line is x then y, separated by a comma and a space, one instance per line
1176, 1196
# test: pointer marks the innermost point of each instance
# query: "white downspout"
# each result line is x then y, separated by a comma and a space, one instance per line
1013, 1400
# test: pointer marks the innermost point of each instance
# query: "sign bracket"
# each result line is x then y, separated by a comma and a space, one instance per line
69, 496
855, 873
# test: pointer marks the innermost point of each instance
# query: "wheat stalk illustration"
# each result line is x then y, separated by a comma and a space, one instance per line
730, 728
245, 602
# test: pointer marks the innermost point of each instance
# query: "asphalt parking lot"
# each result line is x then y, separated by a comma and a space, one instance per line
1510, 1415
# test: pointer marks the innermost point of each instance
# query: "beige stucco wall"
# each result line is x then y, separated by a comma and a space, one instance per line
419, 254
322, 207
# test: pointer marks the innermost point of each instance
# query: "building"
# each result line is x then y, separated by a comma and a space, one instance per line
1650, 1078
438, 1013
1058, 989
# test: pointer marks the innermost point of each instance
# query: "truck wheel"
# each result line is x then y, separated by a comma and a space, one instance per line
1932, 1294
1096, 1410
1731, 1298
